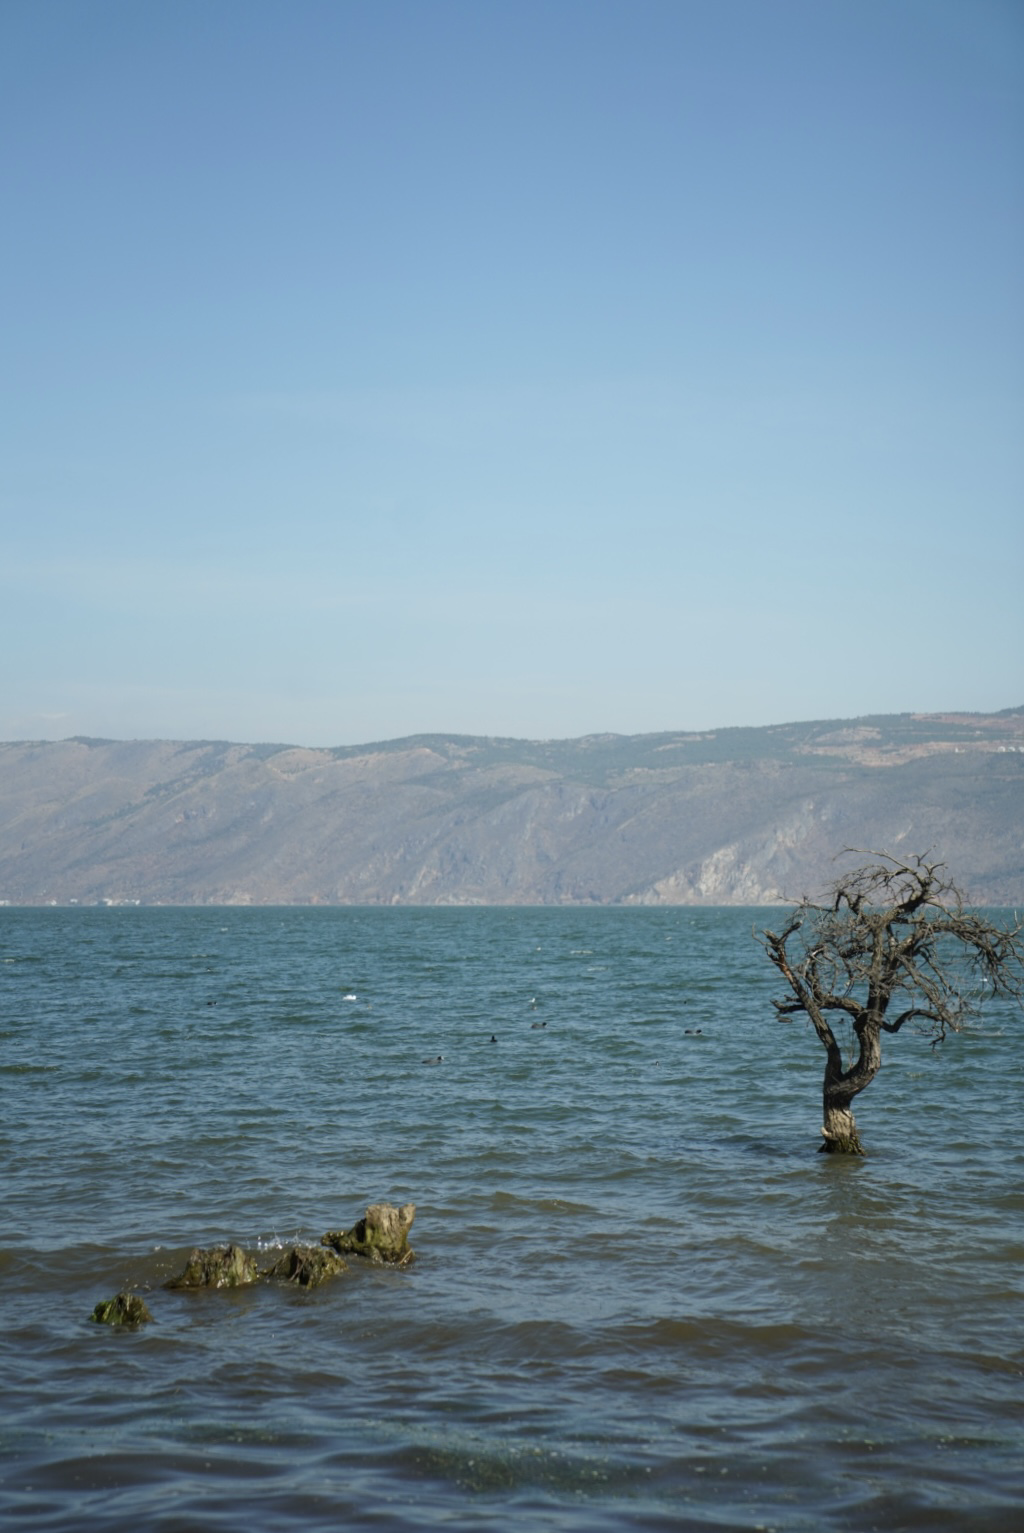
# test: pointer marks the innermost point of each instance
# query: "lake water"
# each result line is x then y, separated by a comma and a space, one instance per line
640, 1299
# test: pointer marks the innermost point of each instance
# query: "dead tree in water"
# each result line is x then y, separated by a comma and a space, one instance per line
894, 945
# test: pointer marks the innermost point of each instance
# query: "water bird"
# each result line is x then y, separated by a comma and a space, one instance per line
493, 1039
437, 1059
535, 1025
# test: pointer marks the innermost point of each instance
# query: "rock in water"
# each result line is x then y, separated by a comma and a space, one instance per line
307, 1265
382, 1235
122, 1309
221, 1267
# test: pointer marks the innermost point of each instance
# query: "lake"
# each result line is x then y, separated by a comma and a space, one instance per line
640, 1298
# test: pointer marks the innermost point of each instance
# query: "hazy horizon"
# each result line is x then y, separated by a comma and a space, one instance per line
456, 734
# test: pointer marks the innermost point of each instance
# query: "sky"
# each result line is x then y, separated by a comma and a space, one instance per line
530, 368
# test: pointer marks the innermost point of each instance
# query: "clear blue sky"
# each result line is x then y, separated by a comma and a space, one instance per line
513, 367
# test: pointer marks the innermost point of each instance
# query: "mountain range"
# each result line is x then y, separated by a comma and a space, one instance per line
729, 816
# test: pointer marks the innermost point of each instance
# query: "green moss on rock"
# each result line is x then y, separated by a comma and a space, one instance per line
219, 1267
122, 1309
382, 1235
308, 1266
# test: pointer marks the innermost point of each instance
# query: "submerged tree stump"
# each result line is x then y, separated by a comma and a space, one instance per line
382, 1235
220, 1267
309, 1266
122, 1309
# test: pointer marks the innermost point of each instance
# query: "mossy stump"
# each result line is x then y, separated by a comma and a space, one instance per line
122, 1309
308, 1266
219, 1267
382, 1235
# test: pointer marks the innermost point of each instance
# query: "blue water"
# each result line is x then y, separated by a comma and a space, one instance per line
640, 1298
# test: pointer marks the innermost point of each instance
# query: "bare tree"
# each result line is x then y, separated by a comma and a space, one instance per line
894, 945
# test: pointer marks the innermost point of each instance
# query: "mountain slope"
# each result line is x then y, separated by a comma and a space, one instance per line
735, 816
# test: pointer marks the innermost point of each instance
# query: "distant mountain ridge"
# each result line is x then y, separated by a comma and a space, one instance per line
729, 816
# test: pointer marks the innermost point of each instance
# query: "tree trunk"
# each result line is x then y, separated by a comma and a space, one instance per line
839, 1130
